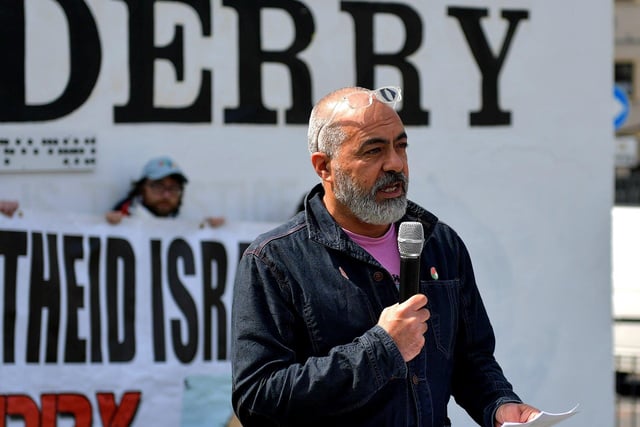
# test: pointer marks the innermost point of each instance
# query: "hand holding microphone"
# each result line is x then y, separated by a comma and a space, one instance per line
406, 322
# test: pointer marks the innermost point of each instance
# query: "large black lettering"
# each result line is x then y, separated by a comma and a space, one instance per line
85, 58
157, 303
142, 55
43, 294
490, 113
367, 59
179, 250
13, 244
94, 299
75, 349
252, 56
121, 262
214, 254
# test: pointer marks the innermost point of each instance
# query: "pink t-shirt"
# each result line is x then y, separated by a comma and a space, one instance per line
384, 249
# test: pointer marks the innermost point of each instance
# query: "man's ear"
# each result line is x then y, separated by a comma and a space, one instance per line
322, 165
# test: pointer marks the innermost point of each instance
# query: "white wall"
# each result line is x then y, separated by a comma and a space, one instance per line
531, 199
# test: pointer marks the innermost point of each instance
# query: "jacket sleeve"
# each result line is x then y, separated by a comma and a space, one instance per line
273, 382
479, 385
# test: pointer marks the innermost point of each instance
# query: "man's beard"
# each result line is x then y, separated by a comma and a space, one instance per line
363, 204
166, 211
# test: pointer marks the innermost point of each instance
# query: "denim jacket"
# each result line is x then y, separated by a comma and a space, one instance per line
307, 350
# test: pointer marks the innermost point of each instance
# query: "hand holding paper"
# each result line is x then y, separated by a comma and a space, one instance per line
545, 419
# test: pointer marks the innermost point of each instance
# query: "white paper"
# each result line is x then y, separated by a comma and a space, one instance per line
545, 419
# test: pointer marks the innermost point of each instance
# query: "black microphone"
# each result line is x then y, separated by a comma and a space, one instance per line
410, 242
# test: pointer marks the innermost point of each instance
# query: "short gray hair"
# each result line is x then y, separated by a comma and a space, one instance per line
323, 136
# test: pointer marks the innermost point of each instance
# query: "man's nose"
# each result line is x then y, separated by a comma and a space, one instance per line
394, 161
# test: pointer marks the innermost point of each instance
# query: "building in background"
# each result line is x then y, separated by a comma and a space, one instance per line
626, 216
627, 95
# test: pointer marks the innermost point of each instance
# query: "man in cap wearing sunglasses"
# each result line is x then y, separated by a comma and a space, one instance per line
157, 193
319, 338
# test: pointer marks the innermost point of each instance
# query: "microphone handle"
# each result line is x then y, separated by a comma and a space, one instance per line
409, 277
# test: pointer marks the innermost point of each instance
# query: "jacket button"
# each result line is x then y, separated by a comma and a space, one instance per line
378, 276
415, 379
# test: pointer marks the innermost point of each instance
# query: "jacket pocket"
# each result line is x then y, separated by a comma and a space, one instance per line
443, 299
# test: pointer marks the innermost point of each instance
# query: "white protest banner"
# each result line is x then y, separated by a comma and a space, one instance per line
116, 325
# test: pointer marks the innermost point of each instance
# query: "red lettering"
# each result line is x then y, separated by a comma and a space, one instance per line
70, 404
19, 406
118, 416
53, 406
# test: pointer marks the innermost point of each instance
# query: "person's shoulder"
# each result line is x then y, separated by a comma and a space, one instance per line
280, 234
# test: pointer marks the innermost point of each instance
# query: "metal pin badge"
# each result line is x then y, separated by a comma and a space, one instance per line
434, 273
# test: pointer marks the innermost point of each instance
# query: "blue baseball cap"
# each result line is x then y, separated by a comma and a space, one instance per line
161, 167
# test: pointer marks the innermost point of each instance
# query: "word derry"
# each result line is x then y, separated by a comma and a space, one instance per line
86, 53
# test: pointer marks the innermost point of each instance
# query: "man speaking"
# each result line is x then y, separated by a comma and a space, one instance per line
319, 338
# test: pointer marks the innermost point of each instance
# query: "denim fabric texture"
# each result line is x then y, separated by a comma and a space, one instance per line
306, 348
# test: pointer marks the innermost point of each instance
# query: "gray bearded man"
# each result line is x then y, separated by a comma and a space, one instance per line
319, 338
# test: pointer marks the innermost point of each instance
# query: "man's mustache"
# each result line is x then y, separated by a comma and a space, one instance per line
390, 178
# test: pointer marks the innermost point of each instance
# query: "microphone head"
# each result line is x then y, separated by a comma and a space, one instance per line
410, 239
